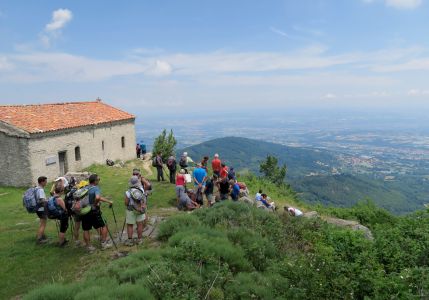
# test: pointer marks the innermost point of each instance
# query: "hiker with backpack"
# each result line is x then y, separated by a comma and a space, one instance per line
158, 163
235, 190
56, 209
216, 165
138, 150
135, 202
231, 174
172, 167
205, 163
93, 218
34, 201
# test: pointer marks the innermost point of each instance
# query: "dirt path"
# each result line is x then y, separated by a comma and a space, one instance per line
147, 164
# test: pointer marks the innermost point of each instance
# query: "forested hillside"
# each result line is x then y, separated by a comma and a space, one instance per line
407, 194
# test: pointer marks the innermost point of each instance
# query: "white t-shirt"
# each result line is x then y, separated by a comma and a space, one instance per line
40, 194
297, 212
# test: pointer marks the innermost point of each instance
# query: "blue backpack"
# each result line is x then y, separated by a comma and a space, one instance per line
30, 201
54, 210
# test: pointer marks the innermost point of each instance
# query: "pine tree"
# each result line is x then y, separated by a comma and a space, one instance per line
165, 144
272, 171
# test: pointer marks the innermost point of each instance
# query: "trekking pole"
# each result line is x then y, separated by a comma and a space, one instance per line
72, 226
114, 218
123, 227
110, 234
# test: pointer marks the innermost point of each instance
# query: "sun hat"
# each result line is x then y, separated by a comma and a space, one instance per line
134, 181
216, 155
182, 171
65, 181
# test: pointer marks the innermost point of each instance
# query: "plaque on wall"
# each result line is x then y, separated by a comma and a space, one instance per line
51, 160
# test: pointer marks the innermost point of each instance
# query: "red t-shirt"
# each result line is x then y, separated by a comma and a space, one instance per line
216, 164
180, 180
224, 172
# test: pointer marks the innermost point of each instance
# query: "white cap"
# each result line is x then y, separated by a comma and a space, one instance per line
65, 181
216, 155
185, 153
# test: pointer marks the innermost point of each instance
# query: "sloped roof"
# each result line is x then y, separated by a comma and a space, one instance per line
57, 116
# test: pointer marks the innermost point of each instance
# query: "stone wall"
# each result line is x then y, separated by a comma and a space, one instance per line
44, 148
14, 161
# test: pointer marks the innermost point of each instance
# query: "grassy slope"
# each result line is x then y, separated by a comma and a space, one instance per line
26, 265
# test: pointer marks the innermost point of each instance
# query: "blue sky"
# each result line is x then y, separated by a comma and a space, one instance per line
222, 55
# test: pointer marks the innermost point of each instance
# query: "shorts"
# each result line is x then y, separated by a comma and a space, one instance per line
64, 223
179, 189
216, 173
93, 219
77, 218
41, 214
132, 217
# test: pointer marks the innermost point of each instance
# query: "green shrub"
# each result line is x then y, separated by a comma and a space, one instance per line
176, 224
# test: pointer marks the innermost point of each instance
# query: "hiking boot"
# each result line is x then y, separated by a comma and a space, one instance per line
129, 243
65, 242
90, 248
105, 245
139, 242
42, 240
77, 243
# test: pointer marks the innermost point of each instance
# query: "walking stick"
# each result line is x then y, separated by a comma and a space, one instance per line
123, 227
114, 217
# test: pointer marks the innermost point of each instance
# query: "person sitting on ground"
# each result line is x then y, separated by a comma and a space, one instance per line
231, 174
205, 163
223, 187
216, 165
258, 196
56, 209
135, 202
209, 191
180, 184
224, 171
41, 213
93, 219
172, 167
235, 190
244, 191
200, 177
185, 202
294, 212
267, 203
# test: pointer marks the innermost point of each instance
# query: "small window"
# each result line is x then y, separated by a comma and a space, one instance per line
77, 153
102, 145
123, 142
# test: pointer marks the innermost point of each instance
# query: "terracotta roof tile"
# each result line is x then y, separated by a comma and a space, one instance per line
57, 116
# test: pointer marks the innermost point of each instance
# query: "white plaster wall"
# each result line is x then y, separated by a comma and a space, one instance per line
89, 139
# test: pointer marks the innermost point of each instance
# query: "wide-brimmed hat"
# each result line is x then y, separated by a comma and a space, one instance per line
64, 180
134, 181
182, 171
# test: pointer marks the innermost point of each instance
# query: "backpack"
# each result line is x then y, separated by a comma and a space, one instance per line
183, 162
54, 211
136, 197
110, 162
81, 205
171, 163
30, 201
154, 162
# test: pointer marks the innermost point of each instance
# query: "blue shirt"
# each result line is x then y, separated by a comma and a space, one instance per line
199, 174
93, 192
235, 190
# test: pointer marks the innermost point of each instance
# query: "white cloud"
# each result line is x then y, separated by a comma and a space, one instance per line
398, 4
403, 4
60, 18
418, 92
159, 68
329, 96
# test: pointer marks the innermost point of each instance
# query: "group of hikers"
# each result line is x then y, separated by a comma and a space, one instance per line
79, 203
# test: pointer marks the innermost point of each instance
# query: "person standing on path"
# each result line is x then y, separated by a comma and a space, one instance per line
159, 163
172, 167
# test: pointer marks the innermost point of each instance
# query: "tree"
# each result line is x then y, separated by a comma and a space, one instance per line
165, 144
272, 171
